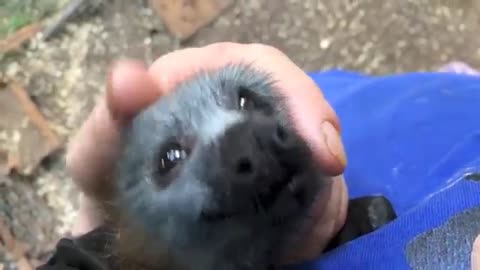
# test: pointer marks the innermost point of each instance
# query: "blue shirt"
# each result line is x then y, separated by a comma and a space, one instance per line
414, 138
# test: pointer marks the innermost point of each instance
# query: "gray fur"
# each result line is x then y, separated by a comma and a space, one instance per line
198, 112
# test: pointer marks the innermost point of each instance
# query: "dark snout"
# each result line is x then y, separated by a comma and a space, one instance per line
252, 149
260, 162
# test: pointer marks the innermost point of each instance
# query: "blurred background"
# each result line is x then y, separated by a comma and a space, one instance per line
54, 58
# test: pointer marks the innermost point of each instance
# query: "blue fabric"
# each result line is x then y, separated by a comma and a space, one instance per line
411, 137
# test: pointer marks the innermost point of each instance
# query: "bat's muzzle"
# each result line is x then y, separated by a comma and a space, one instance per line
259, 164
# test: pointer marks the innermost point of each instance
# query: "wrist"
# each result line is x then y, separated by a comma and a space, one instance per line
90, 215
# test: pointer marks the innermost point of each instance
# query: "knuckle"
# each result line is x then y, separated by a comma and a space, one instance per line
264, 49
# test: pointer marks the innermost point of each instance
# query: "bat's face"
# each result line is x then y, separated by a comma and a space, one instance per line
215, 171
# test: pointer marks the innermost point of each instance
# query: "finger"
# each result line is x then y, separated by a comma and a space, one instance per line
327, 220
93, 150
476, 254
317, 122
314, 117
173, 68
327, 217
131, 89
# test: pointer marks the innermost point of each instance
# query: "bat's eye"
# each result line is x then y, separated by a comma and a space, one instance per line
171, 156
245, 103
249, 101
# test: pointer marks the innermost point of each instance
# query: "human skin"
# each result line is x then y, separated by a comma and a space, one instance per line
476, 254
132, 86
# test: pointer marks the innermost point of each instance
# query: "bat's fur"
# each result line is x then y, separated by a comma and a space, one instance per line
178, 215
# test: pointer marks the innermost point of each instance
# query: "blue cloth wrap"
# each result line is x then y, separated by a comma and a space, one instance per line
411, 137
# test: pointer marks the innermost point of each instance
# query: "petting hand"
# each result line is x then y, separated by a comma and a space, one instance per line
132, 87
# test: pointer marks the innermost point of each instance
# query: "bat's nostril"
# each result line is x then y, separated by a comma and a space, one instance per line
245, 166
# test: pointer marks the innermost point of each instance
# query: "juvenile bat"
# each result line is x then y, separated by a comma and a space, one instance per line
216, 174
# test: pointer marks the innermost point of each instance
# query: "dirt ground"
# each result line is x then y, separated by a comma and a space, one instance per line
65, 75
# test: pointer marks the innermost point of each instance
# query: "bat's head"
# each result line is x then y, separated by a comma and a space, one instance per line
216, 172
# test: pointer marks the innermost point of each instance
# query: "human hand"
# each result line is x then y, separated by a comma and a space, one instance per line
131, 87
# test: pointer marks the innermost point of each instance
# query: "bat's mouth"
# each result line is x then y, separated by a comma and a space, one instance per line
262, 203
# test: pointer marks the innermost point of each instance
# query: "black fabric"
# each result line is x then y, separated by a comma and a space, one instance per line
92, 251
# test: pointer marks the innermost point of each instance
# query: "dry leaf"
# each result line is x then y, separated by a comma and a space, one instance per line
30, 138
185, 17
15, 40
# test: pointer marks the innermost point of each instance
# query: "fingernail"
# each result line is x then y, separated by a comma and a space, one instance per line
334, 143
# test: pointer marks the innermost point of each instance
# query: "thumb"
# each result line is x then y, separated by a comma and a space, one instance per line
93, 151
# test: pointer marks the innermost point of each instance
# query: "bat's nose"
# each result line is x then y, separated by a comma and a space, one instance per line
254, 147
259, 157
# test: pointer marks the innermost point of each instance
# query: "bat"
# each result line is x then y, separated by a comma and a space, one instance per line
215, 176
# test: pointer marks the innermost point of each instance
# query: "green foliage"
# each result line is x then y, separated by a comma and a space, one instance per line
15, 14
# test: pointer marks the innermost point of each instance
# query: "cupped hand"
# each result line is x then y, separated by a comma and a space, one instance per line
132, 86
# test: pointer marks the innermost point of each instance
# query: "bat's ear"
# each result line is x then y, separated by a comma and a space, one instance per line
476, 254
